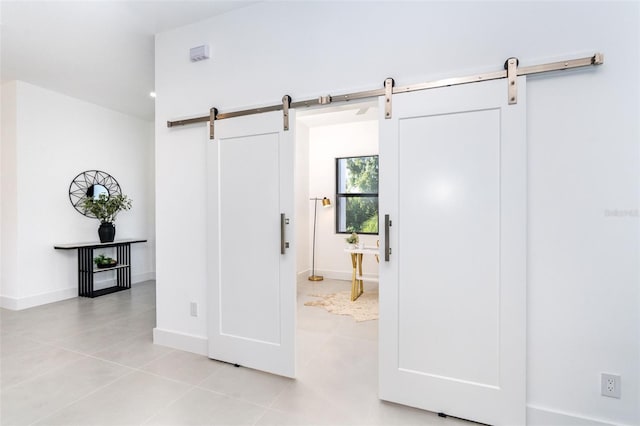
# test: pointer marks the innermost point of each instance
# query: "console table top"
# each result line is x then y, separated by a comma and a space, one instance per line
71, 246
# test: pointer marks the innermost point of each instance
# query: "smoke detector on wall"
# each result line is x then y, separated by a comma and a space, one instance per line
199, 53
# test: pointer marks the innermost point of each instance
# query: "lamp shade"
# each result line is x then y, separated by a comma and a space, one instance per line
326, 202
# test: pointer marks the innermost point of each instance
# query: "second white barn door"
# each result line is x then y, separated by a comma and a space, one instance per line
251, 251
453, 292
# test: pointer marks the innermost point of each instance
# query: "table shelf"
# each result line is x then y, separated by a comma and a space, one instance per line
108, 290
112, 268
86, 270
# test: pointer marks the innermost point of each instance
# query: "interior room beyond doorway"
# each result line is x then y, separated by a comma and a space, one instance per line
336, 354
336, 194
324, 135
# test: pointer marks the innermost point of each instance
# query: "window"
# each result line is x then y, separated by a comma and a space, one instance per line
357, 195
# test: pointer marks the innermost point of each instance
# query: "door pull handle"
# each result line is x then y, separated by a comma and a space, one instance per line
283, 243
387, 249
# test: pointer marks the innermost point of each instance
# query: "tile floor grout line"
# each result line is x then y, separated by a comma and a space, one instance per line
171, 351
129, 340
264, 413
82, 397
339, 339
284, 388
199, 386
150, 373
182, 395
216, 392
58, 343
92, 356
22, 353
234, 398
97, 326
213, 373
56, 368
222, 395
73, 351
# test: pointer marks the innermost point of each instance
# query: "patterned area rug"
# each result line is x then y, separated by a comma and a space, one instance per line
365, 308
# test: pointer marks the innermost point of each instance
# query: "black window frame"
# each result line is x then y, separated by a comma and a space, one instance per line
357, 195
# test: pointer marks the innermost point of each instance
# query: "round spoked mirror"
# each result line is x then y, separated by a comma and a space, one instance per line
91, 184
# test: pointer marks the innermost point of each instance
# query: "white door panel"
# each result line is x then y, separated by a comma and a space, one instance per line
251, 283
457, 209
452, 296
250, 240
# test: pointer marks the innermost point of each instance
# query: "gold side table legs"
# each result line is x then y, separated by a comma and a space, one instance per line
357, 286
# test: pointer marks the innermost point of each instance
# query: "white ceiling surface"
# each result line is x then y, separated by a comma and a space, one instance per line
98, 51
349, 112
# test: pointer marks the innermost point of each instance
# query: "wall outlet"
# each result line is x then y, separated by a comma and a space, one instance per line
610, 385
194, 309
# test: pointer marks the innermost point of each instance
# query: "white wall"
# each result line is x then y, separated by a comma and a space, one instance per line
8, 188
326, 143
583, 139
57, 138
303, 244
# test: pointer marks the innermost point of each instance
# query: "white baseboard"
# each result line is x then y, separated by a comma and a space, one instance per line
7, 302
303, 275
328, 274
184, 342
335, 275
19, 303
139, 278
539, 416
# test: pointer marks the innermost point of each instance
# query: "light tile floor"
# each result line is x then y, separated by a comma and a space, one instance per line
92, 362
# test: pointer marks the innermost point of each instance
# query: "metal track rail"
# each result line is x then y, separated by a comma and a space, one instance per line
596, 59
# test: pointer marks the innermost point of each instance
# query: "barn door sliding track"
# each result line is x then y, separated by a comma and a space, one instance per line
511, 72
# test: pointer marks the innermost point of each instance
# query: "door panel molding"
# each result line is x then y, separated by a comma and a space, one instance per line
251, 286
453, 295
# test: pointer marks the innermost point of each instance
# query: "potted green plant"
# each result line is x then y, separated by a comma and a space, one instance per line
103, 261
105, 208
352, 240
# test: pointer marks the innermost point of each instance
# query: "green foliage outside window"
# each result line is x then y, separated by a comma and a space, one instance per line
357, 195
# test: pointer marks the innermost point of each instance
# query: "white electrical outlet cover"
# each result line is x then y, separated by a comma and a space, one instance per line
611, 385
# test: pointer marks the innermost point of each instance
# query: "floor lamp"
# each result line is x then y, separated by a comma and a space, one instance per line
325, 203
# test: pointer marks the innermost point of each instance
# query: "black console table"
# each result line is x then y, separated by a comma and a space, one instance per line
86, 270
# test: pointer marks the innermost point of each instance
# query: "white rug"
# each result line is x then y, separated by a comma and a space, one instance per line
364, 308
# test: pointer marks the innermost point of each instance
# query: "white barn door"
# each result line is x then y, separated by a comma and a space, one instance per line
251, 255
453, 293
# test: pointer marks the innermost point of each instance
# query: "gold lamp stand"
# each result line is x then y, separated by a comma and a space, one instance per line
325, 203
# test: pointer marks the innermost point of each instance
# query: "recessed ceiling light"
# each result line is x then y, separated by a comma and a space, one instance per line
152, 94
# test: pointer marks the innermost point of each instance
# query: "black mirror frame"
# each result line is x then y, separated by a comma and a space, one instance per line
80, 186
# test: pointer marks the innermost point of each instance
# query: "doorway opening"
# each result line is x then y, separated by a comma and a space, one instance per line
337, 351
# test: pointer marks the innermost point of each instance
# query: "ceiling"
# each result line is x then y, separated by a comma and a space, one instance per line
340, 113
98, 51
